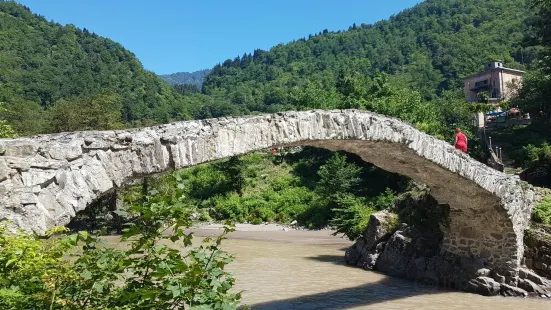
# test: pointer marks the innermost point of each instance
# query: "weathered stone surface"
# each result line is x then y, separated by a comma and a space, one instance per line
396, 256
471, 266
380, 225
85, 165
352, 255
4, 170
509, 290
24, 147
368, 260
530, 275
531, 287
485, 286
483, 272
65, 151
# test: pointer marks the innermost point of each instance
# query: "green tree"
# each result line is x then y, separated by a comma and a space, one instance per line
6, 131
100, 112
337, 178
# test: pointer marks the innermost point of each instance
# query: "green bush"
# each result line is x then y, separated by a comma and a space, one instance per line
532, 156
229, 208
542, 212
293, 202
31, 269
160, 269
203, 182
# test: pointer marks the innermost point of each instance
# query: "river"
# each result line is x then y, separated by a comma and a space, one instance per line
306, 270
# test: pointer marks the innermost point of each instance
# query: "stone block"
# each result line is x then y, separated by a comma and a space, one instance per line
24, 148
35, 177
68, 151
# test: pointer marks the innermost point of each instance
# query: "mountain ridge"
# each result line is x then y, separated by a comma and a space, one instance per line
195, 78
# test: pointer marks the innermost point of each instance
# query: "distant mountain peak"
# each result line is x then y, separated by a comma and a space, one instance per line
192, 78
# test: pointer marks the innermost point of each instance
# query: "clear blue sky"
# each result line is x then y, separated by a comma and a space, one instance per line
187, 35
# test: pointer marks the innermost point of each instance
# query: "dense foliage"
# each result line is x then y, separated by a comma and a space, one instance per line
6, 131
428, 48
186, 78
542, 212
422, 53
44, 65
529, 145
158, 269
313, 186
536, 89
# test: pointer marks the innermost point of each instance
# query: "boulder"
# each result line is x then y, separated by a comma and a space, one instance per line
499, 278
352, 255
508, 290
483, 272
531, 287
484, 286
368, 260
417, 269
528, 274
380, 226
396, 256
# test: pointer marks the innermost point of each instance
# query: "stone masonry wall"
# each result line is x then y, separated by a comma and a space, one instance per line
45, 180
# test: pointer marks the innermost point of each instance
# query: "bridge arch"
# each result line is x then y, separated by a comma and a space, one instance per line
45, 180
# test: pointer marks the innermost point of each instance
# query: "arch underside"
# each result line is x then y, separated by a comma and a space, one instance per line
45, 180
479, 226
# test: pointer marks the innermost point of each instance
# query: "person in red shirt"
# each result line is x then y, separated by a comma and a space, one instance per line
460, 140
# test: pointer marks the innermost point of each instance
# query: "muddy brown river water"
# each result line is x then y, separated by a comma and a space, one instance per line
306, 270
278, 269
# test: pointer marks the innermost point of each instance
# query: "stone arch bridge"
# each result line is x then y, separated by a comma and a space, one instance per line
45, 180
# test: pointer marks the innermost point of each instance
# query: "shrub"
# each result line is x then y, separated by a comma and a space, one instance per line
31, 269
229, 208
153, 273
542, 212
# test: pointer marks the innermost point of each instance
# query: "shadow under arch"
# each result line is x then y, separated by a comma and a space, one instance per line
387, 289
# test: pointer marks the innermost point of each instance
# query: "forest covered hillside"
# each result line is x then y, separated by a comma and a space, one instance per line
57, 78
427, 48
190, 78
45, 66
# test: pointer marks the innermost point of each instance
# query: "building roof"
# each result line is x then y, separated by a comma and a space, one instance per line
520, 72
